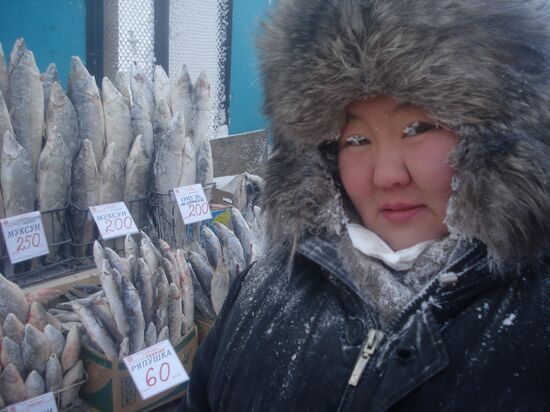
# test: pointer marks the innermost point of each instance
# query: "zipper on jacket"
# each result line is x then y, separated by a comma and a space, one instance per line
374, 339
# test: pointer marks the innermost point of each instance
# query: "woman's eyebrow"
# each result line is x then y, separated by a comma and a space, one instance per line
402, 106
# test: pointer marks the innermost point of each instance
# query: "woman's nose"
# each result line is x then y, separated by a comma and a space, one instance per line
390, 170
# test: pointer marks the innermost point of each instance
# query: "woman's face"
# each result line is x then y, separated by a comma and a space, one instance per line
393, 162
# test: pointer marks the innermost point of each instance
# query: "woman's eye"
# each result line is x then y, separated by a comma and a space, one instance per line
355, 140
416, 128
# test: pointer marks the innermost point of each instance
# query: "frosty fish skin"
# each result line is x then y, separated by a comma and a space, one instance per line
12, 386
27, 106
5, 120
203, 108
13, 327
205, 165
16, 177
175, 313
202, 269
181, 98
188, 174
134, 314
169, 159
211, 245
47, 78
84, 95
102, 311
37, 316
141, 123
114, 297
11, 353
84, 193
54, 374
140, 85
121, 81
160, 306
161, 122
71, 351
242, 231
36, 349
220, 285
4, 77
17, 51
12, 300
56, 339
150, 335
162, 87
144, 287
96, 331
111, 176
73, 376
188, 296
61, 117
124, 348
34, 385
137, 171
229, 240
118, 124
54, 184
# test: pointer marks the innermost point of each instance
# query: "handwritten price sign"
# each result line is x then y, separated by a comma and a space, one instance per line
192, 203
156, 369
42, 403
113, 220
24, 236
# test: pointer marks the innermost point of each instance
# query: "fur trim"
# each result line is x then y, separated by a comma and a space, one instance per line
480, 67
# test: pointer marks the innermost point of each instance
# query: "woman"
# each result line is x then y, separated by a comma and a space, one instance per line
408, 204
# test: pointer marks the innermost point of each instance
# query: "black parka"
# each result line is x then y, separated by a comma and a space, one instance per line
470, 342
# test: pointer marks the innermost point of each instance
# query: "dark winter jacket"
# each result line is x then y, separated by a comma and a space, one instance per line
293, 328
473, 342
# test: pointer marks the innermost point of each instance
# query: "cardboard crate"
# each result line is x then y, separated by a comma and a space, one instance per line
110, 387
203, 327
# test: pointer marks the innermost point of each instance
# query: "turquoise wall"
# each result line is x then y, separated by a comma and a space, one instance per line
246, 96
54, 30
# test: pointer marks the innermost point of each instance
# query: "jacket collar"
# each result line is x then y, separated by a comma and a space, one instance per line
466, 275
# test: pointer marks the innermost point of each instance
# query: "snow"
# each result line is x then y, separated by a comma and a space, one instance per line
509, 321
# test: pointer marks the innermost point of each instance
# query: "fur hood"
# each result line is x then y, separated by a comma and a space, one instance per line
480, 67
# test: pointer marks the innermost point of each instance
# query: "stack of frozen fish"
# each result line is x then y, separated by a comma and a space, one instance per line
144, 298
121, 142
155, 292
38, 354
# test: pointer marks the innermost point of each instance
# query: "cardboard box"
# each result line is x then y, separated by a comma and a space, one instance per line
110, 387
203, 327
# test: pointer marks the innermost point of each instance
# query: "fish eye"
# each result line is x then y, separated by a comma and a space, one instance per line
417, 127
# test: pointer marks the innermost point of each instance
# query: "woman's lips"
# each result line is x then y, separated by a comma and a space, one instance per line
400, 212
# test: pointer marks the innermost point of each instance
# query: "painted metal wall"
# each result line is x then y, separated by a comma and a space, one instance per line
246, 95
54, 30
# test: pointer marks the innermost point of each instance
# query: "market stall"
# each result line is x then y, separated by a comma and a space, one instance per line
123, 224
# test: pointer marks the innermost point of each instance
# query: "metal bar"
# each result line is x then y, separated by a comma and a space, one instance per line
162, 33
226, 64
94, 39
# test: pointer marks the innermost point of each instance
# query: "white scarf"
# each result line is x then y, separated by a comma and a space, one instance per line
371, 245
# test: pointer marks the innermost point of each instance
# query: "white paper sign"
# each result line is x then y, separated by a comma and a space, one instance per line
42, 403
192, 203
113, 220
24, 236
156, 369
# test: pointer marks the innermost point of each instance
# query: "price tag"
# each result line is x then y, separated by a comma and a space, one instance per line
192, 203
42, 403
24, 236
113, 220
156, 369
